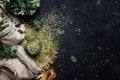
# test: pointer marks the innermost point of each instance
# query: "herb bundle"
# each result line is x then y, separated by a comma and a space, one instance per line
22, 7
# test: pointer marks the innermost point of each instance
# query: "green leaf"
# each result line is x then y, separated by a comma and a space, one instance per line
15, 4
13, 55
34, 1
62, 6
73, 59
7, 0
10, 52
71, 21
22, 12
42, 23
27, 38
37, 4
98, 2
5, 3
22, 7
36, 22
32, 12
38, 25
59, 31
78, 30
21, 4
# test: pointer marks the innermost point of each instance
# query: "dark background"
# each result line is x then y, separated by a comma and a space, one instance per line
97, 47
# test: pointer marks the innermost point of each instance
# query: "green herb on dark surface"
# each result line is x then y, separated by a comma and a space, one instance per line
59, 31
22, 7
98, 2
70, 21
78, 30
73, 59
62, 6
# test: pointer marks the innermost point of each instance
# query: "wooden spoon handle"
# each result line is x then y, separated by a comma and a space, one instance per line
49, 75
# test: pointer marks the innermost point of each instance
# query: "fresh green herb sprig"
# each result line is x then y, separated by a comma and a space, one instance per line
22, 7
38, 25
10, 52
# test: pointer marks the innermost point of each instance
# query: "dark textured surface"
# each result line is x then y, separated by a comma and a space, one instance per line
97, 47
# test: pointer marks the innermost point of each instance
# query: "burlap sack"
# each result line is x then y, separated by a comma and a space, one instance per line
5, 22
21, 68
26, 60
17, 67
14, 37
5, 31
11, 35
